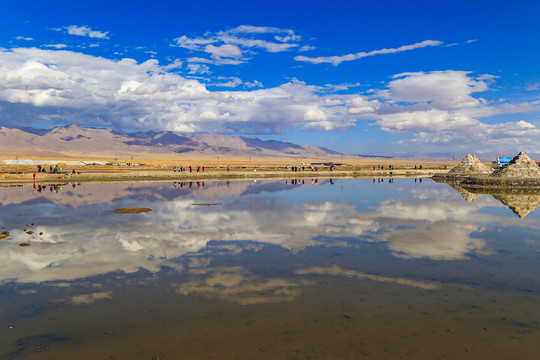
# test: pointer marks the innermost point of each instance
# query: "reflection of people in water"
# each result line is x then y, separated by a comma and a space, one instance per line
178, 184
53, 187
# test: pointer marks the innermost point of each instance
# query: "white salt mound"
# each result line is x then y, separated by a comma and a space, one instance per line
471, 165
521, 166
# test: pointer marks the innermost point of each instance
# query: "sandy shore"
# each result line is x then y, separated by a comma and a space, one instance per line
10, 175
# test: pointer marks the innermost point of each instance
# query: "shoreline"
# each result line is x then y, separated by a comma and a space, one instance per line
488, 182
501, 183
211, 175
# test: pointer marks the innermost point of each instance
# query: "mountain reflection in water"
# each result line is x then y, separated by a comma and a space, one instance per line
315, 248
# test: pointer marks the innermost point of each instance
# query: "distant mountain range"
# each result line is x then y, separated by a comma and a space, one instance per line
74, 140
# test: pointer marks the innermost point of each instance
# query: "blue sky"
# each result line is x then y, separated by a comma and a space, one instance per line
436, 78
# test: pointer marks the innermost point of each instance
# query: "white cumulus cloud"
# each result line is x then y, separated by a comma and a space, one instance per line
86, 31
24, 38
223, 51
198, 69
444, 89
228, 47
439, 109
64, 86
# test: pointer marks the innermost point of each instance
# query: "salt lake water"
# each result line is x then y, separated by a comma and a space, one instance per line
281, 269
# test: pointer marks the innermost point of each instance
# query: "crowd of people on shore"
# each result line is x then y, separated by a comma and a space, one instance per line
188, 168
299, 168
54, 170
381, 167
292, 168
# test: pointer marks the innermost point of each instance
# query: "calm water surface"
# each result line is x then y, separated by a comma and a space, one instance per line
348, 269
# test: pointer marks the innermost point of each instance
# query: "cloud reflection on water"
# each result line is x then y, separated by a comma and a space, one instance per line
336, 270
88, 299
92, 241
241, 286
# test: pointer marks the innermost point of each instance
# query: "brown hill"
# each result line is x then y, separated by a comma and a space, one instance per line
74, 140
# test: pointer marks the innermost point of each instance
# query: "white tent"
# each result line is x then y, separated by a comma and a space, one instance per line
19, 162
